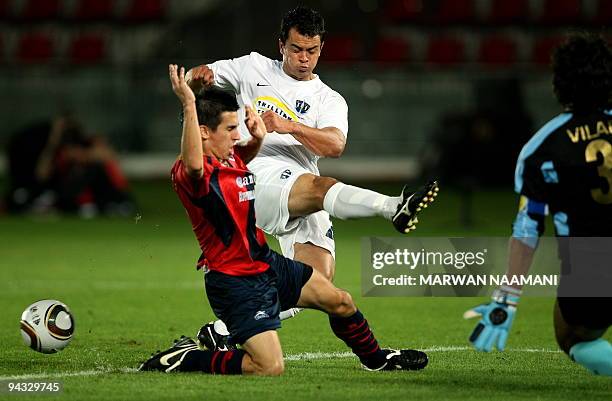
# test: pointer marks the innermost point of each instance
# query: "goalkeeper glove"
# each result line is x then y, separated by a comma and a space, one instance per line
496, 319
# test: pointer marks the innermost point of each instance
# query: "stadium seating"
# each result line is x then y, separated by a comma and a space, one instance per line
40, 10
87, 48
509, 12
445, 50
390, 50
35, 47
497, 51
561, 12
94, 10
342, 48
454, 11
542, 49
403, 10
604, 13
145, 10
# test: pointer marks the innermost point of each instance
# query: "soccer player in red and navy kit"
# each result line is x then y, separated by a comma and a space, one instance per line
247, 284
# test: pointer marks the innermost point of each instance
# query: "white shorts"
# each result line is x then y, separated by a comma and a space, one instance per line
273, 182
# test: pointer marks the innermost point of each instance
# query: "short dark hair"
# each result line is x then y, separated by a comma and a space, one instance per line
210, 104
306, 21
582, 73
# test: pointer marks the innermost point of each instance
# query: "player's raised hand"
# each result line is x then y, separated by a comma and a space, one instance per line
200, 77
254, 123
179, 86
495, 323
275, 123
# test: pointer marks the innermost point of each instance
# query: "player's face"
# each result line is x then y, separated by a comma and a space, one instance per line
300, 54
223, 139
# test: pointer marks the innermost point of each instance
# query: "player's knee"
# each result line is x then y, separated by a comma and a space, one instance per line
344, 305
320, 186
274, 367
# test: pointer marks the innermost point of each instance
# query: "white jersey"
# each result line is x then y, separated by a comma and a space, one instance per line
262, 83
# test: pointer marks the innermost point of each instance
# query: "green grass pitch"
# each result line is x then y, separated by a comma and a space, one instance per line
132, 287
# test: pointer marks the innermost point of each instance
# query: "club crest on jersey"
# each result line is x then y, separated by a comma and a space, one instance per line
301, 106
285, 174
244, 181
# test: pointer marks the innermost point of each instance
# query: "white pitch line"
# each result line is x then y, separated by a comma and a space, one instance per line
304, 356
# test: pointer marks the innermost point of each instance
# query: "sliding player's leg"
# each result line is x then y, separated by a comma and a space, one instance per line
349, 325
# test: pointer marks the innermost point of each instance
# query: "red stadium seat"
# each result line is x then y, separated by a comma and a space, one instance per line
341, 49
41, 9
146, 10
5, 11
604, 13
454, 11
543, 48
391, 50
509, 12
403, 10
35, 47
445, 50
561, 12
497, 51
88, 10
87, 49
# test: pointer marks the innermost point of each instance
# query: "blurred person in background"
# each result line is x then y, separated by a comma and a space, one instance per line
54, 165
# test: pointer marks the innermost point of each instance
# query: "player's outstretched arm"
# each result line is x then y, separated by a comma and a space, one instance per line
326, 142
497, 316
192, 153
257, 129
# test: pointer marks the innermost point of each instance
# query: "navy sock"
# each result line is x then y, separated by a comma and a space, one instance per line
356, 333
214, 362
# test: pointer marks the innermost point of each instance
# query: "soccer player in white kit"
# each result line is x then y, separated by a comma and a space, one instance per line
292, 201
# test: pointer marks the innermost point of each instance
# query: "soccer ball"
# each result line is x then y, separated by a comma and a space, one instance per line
47, 326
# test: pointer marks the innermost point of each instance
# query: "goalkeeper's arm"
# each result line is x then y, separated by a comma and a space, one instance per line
498, 315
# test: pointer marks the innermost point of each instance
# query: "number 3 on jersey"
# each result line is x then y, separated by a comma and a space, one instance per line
593, 149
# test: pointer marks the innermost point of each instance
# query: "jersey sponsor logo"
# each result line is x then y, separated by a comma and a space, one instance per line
301, 106
285, 174
246, 196
265, 103
244, 181
261, 315
259, 84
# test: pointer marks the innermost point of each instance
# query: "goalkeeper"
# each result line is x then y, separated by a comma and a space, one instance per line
566, 170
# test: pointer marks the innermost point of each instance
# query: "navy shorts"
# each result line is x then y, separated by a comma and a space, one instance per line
250, 305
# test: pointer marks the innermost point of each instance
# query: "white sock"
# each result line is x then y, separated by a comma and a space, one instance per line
289, 313
348, 202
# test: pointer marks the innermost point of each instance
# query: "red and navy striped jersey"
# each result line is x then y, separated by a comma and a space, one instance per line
221, 208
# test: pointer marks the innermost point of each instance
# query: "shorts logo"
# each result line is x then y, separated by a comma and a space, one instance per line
301, 106
261, 315
285, 174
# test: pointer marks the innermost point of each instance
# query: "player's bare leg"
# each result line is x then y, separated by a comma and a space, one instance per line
349, 325
584, 345
316, 257
264, 356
